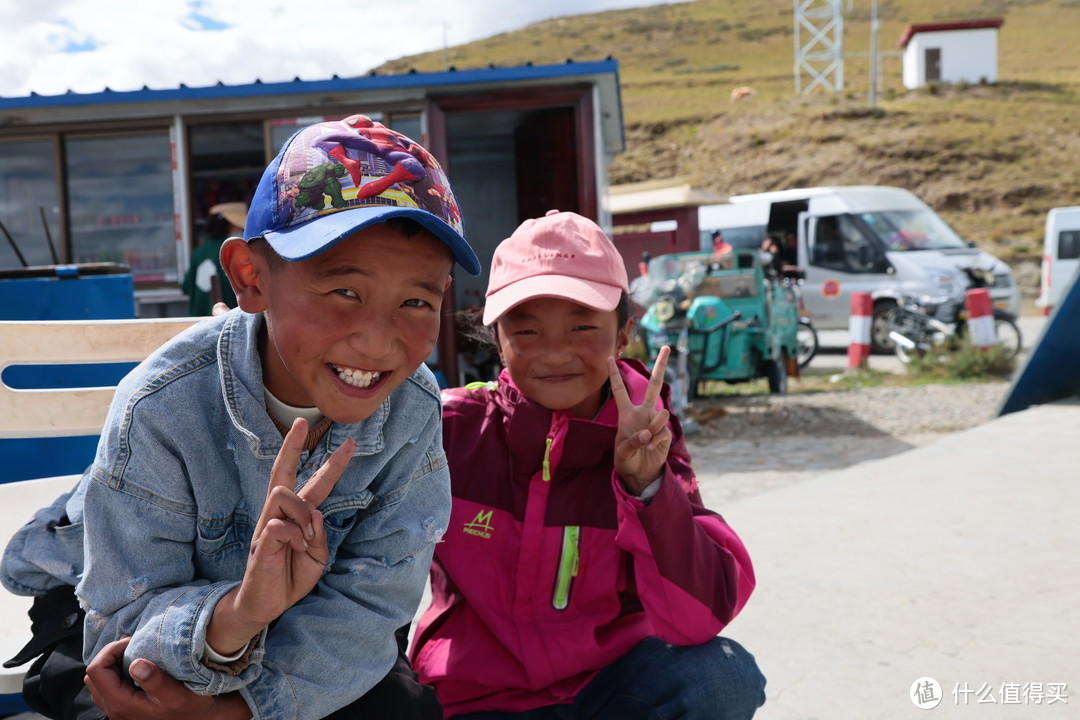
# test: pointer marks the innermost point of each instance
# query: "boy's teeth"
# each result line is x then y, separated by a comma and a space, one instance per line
357, 378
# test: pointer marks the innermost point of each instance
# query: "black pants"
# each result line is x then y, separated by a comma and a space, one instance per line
54, 687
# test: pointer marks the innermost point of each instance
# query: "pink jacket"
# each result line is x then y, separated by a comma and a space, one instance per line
549, 570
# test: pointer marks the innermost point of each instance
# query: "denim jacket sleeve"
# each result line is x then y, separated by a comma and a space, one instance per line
46, 552
140, 527
145, 577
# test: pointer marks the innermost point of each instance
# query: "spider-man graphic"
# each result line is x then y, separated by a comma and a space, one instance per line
407, 160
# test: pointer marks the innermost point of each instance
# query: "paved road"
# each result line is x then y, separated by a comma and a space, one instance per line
833, 345
945, 562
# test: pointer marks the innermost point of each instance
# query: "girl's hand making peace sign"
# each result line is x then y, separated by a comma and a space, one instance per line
643, 438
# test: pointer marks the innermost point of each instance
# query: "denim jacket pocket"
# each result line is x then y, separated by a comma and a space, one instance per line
221, 546
338, 525
57, 551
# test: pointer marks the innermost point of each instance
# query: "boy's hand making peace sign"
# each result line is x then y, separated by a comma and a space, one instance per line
288, 548
643, 438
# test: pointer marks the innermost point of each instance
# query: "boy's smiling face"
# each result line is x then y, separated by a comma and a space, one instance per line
556, 352
346, 327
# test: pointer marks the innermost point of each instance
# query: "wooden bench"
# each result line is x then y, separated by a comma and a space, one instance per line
51, 412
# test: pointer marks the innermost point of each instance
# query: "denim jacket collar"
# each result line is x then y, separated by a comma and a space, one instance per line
240, 367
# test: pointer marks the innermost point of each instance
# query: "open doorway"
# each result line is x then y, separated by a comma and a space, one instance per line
226, 162
510, 157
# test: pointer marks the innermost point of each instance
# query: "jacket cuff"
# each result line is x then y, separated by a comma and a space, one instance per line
179, 639
234, 664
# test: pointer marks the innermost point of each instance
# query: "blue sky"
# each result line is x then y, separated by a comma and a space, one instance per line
52, 46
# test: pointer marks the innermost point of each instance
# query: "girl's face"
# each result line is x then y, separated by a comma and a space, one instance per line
556, 352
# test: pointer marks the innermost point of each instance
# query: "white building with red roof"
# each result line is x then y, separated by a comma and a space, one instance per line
958, 51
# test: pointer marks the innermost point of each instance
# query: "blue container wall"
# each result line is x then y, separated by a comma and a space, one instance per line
94, 297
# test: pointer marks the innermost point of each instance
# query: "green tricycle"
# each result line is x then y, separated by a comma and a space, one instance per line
724, 319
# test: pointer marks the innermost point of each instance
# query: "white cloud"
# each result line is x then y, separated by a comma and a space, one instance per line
158, 44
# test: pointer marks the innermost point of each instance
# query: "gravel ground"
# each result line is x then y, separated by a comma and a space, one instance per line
752, 444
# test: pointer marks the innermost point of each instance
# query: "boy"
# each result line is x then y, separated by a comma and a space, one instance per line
279, 600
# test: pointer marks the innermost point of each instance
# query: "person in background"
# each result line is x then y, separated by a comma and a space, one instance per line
641, 289
722, 250
580, 576
205, 282
789, 251
770, 254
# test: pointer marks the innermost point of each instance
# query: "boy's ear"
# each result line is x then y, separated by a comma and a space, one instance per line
247, 273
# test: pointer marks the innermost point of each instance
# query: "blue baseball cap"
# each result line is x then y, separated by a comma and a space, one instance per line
335, 178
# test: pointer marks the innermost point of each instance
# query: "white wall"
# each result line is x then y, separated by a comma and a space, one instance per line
966, 56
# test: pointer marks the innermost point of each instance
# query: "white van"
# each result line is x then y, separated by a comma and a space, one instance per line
1061, 255
879, 240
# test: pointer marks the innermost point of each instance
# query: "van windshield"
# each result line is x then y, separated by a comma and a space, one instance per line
912, 230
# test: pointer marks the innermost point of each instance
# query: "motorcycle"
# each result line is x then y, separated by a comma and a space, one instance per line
918, 326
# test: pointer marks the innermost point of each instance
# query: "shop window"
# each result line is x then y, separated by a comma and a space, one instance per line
28, 184
407, 125
226, 162
120, 198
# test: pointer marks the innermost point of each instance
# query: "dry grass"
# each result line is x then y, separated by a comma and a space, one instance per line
992, 159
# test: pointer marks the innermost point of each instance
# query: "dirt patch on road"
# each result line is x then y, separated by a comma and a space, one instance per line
752, 444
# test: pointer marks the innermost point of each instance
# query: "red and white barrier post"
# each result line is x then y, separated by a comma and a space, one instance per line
981, 318
859, 323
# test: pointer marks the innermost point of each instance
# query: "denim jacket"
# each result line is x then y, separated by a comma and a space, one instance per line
170, 503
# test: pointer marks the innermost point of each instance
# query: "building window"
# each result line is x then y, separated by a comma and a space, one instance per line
28, 184
225, 163
120, 196
407, 125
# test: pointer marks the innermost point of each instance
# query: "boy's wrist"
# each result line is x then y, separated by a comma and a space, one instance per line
231, 629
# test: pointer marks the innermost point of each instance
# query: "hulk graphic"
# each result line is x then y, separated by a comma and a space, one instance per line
318, 181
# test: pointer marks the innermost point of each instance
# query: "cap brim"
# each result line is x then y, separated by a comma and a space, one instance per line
598, 296
310, 238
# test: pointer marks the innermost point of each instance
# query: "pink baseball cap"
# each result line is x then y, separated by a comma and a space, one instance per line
561, 255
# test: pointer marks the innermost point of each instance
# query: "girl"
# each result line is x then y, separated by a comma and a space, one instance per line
580, 576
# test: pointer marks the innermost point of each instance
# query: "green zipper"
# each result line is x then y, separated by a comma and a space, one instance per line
568, 563
568, 566
547, 460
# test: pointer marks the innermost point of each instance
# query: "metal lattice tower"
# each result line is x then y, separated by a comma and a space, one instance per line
821, 54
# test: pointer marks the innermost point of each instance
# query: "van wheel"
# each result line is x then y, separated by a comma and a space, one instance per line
880, 343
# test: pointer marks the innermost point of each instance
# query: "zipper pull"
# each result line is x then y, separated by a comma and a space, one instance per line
547, 460
568, 566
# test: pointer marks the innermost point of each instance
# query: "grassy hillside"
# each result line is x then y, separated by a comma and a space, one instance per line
992, 159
